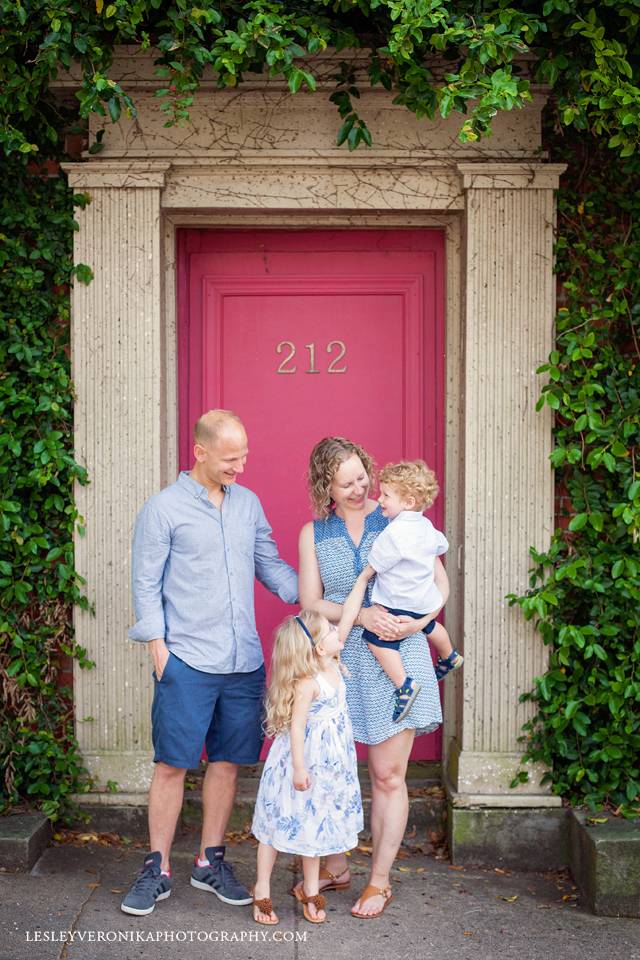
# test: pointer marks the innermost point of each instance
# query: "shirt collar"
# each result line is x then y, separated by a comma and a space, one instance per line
410, 515
196, 489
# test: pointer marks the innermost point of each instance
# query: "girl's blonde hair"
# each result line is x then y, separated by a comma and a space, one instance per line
293, 658
326, 457
412, 478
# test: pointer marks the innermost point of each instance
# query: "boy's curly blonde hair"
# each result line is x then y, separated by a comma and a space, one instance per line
412, 478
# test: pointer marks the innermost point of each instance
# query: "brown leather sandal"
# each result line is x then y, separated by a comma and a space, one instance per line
335, 883
333, 877
263, 906
317, 900
367, 894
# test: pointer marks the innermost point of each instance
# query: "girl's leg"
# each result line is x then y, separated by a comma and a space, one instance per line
440, 639
266, 860
389, 810
310, 886
391, 662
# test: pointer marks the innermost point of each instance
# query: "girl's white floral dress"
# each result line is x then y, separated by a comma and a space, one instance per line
327, 817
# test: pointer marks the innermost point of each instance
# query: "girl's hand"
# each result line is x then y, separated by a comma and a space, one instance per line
378, 621
301, 779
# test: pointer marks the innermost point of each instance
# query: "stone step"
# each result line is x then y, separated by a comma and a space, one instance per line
126, 814
23, 837
605, 862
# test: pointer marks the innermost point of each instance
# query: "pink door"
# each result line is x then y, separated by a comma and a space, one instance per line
308, 334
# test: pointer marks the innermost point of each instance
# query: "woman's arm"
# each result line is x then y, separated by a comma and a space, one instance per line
310, 581
373, 618
304, 695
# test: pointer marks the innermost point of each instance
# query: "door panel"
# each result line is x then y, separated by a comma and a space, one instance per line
309, 334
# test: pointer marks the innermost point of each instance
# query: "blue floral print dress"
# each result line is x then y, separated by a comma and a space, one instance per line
327, 817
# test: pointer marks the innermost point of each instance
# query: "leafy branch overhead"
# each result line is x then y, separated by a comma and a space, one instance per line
436, 56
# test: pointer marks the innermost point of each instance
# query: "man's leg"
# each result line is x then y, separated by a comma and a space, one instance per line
165, 803
218, 794
211, 872
234, 737
184, 699
154, 880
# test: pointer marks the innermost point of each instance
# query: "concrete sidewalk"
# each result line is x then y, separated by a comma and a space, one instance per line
438, 912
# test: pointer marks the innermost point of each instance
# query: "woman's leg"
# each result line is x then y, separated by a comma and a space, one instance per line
262, 890
389, 810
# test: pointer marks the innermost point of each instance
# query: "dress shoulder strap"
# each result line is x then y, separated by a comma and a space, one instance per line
324, 685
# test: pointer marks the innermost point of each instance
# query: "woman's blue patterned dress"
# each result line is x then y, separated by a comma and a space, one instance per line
327, 817
370, 693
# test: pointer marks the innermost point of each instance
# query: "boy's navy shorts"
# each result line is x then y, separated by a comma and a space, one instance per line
395, 644
221, 711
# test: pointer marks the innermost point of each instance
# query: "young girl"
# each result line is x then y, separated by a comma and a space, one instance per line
308, 800
403, 559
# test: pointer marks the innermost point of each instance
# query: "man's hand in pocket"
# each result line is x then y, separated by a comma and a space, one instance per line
159, 655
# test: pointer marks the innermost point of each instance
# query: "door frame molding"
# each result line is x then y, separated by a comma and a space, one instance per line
451, 224
498, 217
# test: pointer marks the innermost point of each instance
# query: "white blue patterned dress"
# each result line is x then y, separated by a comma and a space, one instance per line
327, 817
370, 693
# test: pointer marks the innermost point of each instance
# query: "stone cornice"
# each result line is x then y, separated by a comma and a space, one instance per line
122, 174
510, 176
134, 67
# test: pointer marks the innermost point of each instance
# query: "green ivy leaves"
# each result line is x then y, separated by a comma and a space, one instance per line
38, 581
438, 57
585, 590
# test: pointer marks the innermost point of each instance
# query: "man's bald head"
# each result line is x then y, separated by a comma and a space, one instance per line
216, 424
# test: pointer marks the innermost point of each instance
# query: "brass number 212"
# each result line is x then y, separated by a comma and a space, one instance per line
287, 366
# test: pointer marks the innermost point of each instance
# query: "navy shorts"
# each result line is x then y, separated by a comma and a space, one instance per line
221, 711
395, 644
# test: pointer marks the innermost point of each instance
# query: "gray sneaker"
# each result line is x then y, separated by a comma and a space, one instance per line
218, 877
148, 887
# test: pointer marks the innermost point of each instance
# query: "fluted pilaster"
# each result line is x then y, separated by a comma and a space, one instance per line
117, 344
508, 481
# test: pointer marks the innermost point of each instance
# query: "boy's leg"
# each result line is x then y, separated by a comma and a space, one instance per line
391, 662
440, 639
448, 657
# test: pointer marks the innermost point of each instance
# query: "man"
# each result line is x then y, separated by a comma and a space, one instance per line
197, 546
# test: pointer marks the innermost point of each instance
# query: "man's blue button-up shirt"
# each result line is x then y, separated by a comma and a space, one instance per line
193, 575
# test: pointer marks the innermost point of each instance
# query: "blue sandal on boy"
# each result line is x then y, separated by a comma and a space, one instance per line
405, 695
445, 665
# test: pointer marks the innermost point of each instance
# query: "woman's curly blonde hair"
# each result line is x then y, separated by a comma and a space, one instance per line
326, 457
412, 478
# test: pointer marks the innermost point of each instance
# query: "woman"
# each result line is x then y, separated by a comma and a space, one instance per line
333, 551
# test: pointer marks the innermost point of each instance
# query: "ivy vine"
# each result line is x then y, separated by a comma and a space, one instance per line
38, 582
436, 57
585, 590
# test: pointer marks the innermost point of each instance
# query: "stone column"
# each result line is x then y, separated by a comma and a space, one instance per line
506, 477
117, 346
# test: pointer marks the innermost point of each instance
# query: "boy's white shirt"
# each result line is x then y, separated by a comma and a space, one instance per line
404, 557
